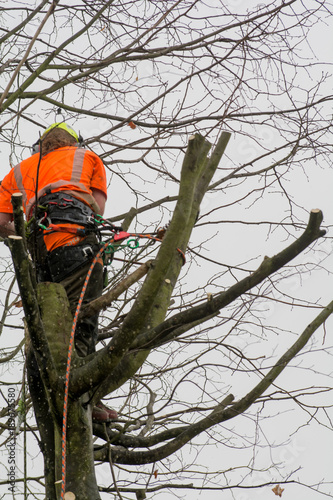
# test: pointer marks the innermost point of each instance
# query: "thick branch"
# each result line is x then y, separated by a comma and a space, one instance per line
125, 370
120, 438
129, 441
223, 411
19, 225
192, 165
244, 403
16, 200
197, 172
144, 457
212, 307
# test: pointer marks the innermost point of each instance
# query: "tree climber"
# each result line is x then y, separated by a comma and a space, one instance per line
63, 187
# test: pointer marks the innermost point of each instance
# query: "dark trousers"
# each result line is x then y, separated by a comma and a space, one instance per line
87, 329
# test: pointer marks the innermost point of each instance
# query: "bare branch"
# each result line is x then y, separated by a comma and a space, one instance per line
24, 58
106, 300
212, 307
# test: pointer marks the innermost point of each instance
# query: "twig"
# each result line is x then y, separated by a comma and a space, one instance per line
111, 464
24, 58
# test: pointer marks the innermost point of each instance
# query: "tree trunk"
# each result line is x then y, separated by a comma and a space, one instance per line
80, 472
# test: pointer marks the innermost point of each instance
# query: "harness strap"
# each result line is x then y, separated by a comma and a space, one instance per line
64, 208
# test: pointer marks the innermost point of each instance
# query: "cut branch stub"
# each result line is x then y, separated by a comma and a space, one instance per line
16, 200
19, 224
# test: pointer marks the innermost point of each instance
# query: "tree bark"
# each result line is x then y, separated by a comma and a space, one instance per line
80, 472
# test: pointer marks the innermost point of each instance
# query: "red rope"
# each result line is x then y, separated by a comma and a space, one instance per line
69, 358
122, 235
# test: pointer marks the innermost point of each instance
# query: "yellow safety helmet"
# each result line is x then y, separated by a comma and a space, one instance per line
65, 127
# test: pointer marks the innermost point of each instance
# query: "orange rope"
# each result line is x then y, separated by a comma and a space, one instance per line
70, 349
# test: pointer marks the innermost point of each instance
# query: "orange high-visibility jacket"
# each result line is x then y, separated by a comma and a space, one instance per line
69, 169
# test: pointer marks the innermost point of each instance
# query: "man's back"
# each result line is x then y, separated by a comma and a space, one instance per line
68, 169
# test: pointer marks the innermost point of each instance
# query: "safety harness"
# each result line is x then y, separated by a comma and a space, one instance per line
53, 213
59, 207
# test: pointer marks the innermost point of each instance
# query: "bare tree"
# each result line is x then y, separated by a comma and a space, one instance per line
189, 353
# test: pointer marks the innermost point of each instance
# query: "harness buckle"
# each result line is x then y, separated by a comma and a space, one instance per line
88, 252
91, 220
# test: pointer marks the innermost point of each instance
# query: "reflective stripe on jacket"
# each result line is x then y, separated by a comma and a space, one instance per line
69, 169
